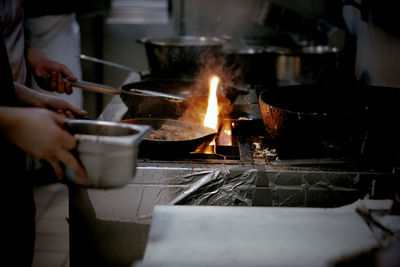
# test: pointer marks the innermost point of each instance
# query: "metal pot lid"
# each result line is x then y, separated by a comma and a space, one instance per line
316, 50
319, 49
185, 41
251, 50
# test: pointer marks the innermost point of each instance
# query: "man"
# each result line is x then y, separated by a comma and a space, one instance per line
54, 30
50, 73
26, 128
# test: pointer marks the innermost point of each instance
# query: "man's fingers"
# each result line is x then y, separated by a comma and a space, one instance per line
68, 88
69, 114
60, 83
68, 141
66, 72
69, 160
56, 167
53, 82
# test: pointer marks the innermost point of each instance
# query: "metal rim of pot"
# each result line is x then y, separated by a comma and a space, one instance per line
184, 41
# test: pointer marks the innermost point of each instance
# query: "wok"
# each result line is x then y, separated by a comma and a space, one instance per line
354, 119
173, 147
162, 106
311, 117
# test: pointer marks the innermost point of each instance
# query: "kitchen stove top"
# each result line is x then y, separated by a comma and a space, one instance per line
332, 170
325, 173
250, 172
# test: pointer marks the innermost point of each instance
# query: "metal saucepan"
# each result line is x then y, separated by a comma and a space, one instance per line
182, 56
194, 135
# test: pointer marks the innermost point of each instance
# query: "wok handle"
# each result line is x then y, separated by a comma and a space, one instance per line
144, 92
94, 87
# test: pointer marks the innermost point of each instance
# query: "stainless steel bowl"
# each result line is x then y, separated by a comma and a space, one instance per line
107, 150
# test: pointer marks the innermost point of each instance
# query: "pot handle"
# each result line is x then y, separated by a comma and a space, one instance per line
109, 63
94, 87
142, 41
226, 38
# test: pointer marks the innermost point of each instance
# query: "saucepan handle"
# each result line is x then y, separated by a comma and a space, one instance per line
94, 87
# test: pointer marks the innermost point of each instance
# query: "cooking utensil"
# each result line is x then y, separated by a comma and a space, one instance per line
108, 63
267, 65
100, 88
107, 150
175, 99
181, 56
309, 64
154, 147
142, 73
253, 65
310, 117
158, 107
169, 98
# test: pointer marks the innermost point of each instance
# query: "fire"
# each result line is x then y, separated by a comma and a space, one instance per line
225, 136
211, 118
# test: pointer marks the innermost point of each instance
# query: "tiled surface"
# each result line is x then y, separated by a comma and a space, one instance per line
52, 240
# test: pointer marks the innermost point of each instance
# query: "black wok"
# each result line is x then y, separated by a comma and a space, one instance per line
310, 118
354, 119
160, 106
154, 147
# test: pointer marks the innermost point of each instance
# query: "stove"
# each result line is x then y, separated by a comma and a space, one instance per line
248, 172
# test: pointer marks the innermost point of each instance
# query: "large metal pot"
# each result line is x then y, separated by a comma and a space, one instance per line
308, 64
181, 56
255, 66
259, 65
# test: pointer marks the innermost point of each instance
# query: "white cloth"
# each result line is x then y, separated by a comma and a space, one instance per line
58, 37
378, 51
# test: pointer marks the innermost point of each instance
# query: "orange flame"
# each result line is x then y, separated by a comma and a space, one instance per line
211, 118
225, 136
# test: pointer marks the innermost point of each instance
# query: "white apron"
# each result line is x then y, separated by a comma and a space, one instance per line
58, 37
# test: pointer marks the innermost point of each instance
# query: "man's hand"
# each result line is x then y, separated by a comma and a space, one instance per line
40, 133
49, 74
32, 98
